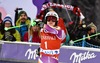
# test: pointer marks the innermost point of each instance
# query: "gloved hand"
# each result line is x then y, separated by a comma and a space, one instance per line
71, 42
36, 53
76, 11
33, 23
8, 36
40, 16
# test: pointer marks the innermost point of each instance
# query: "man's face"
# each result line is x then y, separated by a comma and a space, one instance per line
93, 30
23, 17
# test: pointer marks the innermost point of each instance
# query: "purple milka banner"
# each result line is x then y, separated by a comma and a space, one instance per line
79, 55
68, 54
18, 51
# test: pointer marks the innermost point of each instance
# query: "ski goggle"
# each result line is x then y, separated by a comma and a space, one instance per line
51, 18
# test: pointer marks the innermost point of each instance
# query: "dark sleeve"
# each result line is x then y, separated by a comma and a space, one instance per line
94, 41
16, 16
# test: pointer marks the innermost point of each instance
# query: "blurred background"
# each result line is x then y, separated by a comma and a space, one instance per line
89, 8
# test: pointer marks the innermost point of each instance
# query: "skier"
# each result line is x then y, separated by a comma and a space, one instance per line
51, 38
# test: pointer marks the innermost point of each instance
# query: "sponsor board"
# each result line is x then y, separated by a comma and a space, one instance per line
68, 54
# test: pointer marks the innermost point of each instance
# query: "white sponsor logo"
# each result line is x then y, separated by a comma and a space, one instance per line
52, 52
78, 58
31, 54
48, 37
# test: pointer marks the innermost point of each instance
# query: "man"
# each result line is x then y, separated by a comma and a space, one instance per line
22, 20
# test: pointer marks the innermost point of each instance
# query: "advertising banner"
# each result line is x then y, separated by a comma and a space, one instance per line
73, 54
68, 54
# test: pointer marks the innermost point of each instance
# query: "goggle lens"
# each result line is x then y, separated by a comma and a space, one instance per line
51, 18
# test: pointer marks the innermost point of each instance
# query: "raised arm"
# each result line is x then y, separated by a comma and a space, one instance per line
74, 9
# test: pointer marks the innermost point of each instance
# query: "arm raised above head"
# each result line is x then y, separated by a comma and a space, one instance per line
75, 9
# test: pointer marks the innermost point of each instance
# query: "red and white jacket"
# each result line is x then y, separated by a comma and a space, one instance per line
51, 40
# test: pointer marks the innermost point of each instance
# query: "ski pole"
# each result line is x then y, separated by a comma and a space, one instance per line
12, 27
